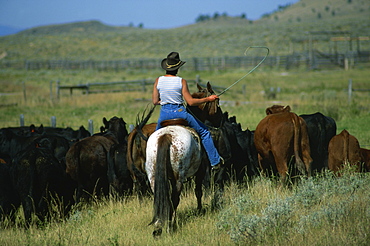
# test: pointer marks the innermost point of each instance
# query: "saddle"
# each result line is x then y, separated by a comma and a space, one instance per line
177, 121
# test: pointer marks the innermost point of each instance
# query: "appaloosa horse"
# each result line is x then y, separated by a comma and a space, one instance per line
174, 154
209, 112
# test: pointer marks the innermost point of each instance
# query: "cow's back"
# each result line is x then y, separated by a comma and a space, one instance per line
343, 148
273, 139
365, 155
86, 161
320, 129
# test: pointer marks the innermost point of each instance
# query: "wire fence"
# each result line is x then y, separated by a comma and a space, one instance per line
312, 60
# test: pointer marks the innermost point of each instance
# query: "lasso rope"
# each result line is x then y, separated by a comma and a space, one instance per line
245, 53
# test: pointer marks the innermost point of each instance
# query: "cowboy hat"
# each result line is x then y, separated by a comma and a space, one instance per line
172, 62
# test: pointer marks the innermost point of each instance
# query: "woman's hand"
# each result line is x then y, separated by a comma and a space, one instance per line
212, 98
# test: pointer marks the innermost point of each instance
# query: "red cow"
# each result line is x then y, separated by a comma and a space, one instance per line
279, 137
343, 148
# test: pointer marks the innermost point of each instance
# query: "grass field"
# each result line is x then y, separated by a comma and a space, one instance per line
305, 91
318, 211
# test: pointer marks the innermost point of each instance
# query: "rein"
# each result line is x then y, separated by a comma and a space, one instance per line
250, 71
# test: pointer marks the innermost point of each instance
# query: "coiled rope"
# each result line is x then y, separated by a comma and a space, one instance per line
250, 71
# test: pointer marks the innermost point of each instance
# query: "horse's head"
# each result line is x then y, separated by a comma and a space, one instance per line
209, 111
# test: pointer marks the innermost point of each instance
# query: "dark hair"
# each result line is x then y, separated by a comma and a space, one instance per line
174, 72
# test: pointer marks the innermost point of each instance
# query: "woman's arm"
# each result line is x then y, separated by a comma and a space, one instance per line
155, 95
194, 101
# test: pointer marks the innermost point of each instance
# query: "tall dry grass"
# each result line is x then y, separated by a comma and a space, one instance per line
322, 210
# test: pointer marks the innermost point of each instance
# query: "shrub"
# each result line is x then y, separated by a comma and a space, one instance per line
315, 204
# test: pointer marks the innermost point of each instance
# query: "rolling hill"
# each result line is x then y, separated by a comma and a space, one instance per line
284, 31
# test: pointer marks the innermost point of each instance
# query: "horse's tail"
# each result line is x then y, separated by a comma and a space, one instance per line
162, 199
130, 147
346, 145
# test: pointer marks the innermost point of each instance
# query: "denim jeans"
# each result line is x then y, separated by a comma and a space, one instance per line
172, 111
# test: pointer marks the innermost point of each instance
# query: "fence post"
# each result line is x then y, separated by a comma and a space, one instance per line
197, 79
277, 62
24, 91
131, 127
21, 120
91, 127
143, 85
58, 91
346, 63
349, 91
51, 90
53, 121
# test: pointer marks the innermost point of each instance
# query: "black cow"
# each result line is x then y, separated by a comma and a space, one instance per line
243, 153
68, 133
245, 140
119, 176
8, 198
38, 178
320, 130
11, 143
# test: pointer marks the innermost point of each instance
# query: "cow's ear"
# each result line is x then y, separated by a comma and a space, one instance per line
32, 128
41, 128
286, 108
105, 122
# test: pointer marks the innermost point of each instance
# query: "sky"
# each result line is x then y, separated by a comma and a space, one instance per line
153, 14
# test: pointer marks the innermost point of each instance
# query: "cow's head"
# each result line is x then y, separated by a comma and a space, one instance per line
277, 109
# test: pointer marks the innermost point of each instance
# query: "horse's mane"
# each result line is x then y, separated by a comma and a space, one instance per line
141, 122
199, 94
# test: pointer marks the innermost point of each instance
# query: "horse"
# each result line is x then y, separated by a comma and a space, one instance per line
137, 139
174, 154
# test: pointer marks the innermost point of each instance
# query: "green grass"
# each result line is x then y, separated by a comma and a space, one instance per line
305, 91
125, 222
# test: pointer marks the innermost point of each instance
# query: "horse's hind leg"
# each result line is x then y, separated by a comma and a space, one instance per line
157, 228
175, 198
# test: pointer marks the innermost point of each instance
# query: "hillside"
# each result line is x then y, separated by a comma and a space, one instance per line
283, 31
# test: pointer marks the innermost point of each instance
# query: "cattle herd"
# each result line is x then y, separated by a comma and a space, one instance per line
42, 164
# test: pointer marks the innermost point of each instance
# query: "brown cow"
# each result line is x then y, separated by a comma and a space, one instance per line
365, 154
87, 160
280, 136
343, 148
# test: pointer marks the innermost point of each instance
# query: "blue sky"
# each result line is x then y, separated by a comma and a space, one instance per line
151, 13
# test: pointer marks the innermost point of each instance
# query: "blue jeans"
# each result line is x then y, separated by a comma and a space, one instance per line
172, 111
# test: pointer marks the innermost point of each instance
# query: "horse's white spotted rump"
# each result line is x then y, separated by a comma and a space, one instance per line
185, 152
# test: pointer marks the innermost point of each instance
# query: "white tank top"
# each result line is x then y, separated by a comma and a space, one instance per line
170, 90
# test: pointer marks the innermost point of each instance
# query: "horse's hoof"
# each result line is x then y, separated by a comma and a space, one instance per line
157, 233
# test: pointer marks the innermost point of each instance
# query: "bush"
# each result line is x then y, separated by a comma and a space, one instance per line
314, 205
